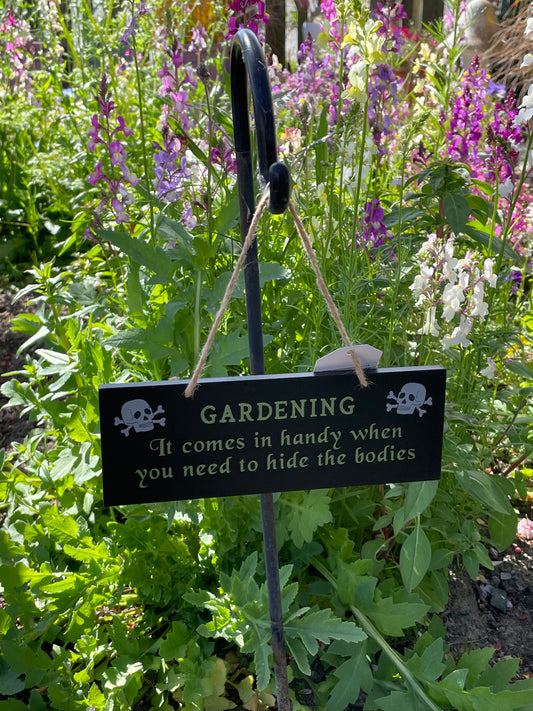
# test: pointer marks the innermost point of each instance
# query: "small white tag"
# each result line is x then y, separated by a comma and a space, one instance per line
340, 359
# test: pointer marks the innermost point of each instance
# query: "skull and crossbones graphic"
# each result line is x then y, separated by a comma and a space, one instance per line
138, 414
411, 397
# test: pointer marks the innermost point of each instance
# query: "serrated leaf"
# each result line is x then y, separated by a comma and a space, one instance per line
477, 662
352, 674
322, 626
499, 675
429, 665
262, 666
299, 652
303, 512
394, 617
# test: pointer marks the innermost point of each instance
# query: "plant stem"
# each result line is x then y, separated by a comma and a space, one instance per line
372, 632
143, 138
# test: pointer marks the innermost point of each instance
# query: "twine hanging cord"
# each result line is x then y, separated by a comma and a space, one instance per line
248, 241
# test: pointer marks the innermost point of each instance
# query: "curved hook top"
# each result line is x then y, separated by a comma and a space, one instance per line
248, 62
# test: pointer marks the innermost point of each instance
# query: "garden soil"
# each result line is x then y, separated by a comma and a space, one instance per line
495, 610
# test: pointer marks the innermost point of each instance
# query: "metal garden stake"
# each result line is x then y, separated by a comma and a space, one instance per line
248, 65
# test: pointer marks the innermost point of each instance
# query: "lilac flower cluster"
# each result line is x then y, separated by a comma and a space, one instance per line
382, 91
131, 30
246, 13
383, 82
170, 167
375, 230
15, 44
468, 111
503, 138
116, 178
313, 85
179, 176
391, 15
471, 136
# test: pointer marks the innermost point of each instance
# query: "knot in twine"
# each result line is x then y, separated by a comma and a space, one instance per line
248, 241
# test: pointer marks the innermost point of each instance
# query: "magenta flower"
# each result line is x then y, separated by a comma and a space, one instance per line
111, 171
117, 153
97, 175
247, 13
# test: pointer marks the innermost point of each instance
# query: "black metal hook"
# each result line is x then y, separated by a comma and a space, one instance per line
248, 61
248, 65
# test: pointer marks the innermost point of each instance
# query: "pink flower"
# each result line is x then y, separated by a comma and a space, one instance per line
122, 127
117, 153
97, 175
524, 528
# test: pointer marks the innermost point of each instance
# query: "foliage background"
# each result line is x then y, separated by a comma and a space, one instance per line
118, 195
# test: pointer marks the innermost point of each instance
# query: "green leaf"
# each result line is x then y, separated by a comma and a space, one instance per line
456, 211
499, 675
502, 528
476, 662
352, 674
10, 683
519, 368
399, 701
479, 207
13, 705
153, 258
355, 587
301, 514
482, 487
322, 626
471, 563
428, 666
393, 618
262, 666
298, 651
483, 237
415, 557
174, 646
271, 271
419, 496
61, 527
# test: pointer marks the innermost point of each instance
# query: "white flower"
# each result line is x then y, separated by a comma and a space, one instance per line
430, 326
421, 280
526, 107
529, 26
490, 371
452, 297
506, 188
487, 272
478, 292
459, 334
527, 61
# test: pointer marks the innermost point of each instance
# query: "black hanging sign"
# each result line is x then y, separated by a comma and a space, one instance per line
257, 434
